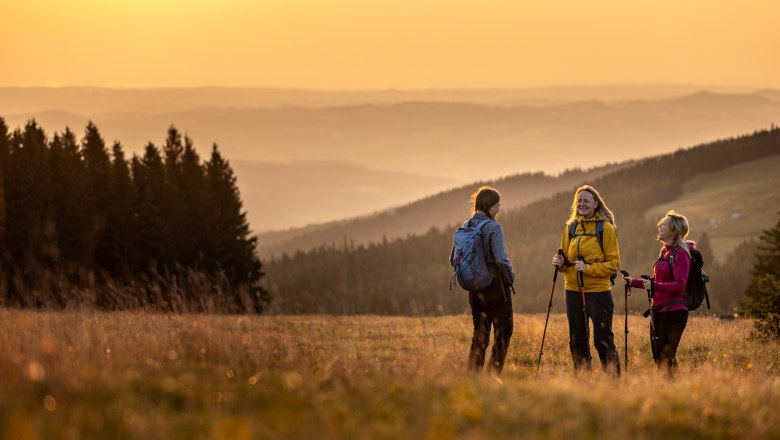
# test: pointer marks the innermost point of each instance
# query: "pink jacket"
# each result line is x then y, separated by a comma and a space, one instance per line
668, 288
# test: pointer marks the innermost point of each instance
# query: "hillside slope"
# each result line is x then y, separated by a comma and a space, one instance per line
409, 276
731, 205
440, 210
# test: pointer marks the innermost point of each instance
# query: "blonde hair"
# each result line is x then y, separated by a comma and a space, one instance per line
679, 226
483, 199
601, 211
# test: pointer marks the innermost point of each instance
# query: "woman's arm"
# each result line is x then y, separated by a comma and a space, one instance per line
499, 252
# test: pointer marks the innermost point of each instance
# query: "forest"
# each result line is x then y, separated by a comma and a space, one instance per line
410, 276
81, 225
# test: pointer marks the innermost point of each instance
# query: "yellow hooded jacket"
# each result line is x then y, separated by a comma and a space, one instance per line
601, 265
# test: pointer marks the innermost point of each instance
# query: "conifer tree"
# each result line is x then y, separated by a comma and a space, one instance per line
195, 206
171, 204
120, 226
5, 257
764, 290
30, 229
232, 249
149, 180
70, 194
705, 247
98, 172
5, 146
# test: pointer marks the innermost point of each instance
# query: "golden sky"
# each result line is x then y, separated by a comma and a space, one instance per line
379, 44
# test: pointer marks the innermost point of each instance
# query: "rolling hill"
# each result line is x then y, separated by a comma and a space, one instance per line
435, 139
440, 210
732, 205
409, 276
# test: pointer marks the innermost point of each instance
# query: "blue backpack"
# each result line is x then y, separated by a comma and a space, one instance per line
468, 258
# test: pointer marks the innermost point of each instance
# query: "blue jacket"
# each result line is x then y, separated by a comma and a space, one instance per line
495, 251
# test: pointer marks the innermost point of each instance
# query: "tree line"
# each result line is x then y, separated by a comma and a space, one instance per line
410, 275
80, 223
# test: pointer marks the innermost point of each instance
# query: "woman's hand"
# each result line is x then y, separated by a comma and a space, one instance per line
557, 260
647, 284
581, 266
627, 281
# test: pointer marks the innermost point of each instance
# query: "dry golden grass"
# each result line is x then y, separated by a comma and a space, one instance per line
138, 375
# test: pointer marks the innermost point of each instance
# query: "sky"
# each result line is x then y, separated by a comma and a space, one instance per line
388, 44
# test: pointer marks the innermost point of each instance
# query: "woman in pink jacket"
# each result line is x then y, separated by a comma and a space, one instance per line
670, 276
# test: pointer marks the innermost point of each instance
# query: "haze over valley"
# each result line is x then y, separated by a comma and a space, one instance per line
305, 157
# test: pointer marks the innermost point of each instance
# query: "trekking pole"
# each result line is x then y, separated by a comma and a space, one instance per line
627, 292
581, 282
651, 313
549, 306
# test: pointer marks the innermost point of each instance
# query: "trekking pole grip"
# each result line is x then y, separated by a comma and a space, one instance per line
555, 274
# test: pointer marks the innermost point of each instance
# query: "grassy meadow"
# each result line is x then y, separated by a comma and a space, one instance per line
84, 375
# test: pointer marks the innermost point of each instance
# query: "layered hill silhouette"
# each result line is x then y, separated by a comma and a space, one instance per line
96, 100
437, 139
439, 210
410, 275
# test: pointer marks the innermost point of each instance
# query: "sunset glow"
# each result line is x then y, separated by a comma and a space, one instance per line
349, 44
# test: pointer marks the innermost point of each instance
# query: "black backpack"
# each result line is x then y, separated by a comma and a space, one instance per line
696, 286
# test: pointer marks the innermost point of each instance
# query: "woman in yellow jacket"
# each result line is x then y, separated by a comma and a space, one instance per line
590, 258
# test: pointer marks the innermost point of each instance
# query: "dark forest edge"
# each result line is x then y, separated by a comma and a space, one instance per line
81, 226
409, 276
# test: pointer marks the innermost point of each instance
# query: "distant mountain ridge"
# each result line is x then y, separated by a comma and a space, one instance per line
438, 138
440, 210
96, 100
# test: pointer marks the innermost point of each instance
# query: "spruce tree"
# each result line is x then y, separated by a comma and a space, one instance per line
71, 194
195, 207
150, 238
763, 293
5, 150
120, 226
30, 228
5, 257
98, 172
171, 203
232, 250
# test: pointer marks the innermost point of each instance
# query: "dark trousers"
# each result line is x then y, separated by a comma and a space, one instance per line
491, 307
669, 328
599, 307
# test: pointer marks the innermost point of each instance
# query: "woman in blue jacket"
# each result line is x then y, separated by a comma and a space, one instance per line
491, 306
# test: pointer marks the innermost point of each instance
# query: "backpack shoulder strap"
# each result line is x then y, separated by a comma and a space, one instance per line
483, 223
670, 260
572, 229
600, 234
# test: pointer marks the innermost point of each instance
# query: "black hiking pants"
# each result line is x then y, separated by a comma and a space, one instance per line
599, 307
669, 328
491, 307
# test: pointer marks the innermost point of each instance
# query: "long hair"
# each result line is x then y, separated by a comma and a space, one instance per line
601, 211
679, 226
483, 199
